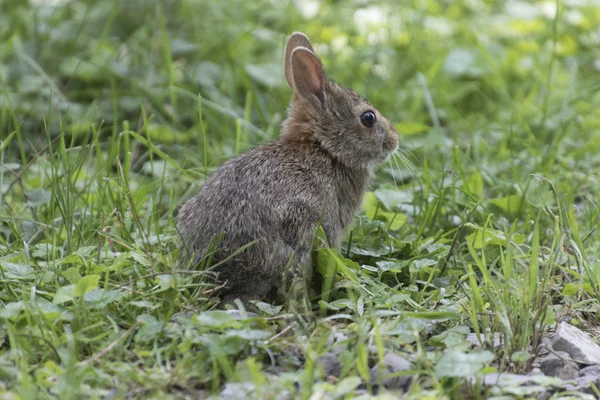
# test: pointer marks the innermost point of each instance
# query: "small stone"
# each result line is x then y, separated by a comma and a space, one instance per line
535, 371
338, 342
576, 343
331, 365
545, 395
592, 370
456, 221
559, 365
392, 363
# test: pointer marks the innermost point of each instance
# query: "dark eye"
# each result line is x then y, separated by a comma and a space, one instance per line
368, 119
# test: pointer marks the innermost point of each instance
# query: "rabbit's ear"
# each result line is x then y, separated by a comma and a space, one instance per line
308, 75
297, 39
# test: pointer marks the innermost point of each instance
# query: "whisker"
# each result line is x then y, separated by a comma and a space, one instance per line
399, 169
401, 154
393, 172
407, 152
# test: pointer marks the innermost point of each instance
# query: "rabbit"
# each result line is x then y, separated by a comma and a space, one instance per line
275, 195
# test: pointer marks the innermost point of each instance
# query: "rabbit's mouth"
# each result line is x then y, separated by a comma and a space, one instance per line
391, 143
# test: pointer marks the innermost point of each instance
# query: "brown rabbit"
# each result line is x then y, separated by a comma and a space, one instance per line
275, 195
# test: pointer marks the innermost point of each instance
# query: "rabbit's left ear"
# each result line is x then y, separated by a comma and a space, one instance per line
297, 39
308, 75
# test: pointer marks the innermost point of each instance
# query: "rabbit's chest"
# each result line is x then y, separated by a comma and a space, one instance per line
342, 205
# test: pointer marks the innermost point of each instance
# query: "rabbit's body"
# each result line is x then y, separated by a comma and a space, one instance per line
246, 201
275, 195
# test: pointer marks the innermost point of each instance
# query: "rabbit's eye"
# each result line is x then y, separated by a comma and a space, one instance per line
368, 119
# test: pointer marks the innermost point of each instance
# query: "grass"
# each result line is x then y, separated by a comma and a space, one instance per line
113, 113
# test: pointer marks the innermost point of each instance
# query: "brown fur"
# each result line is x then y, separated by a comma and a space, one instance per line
275, 194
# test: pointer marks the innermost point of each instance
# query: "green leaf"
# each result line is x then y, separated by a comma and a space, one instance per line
394, 221
482, 237
418, 265
391, 266
454, 338
320, 238
11, 310
330, 262
362, 361
392, 199
101, 297
64, 294
267, 308
72, 274
85, 251
37, 197
571, 289
249, 334
370, 205
339, 304
215, 319
510, 205
550, 317
140, 258
86, 284
143, 304
433, 315
151, 327
345, 386
53, 311
455, 363
404, 331
44, 250
520, 356
17, 270
376, 210
475, 185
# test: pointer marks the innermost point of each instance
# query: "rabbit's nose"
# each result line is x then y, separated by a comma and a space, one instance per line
392, 136
392, 140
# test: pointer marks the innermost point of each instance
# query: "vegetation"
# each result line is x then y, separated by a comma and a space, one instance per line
113, 113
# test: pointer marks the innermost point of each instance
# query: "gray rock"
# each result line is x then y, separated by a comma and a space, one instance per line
535, 371
545, 344
338, 342
392, 364
545, 395
331, 365
583, 384
576, 343
560, 365
592, 370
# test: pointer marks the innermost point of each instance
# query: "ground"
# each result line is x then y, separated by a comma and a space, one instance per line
113, 113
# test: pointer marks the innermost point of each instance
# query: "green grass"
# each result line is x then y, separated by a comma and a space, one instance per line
113, 113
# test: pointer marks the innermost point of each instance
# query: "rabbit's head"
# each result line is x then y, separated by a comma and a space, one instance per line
342, 122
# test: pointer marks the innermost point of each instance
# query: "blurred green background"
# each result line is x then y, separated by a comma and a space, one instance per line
485, 65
